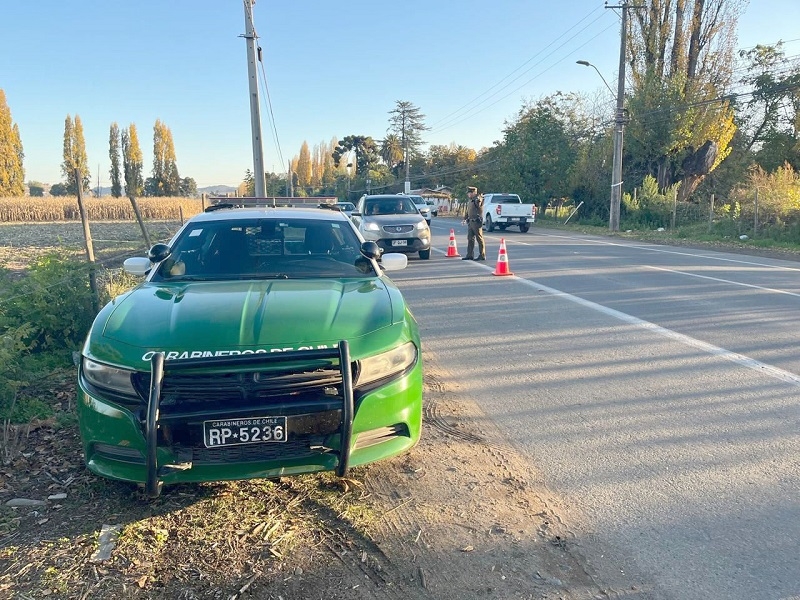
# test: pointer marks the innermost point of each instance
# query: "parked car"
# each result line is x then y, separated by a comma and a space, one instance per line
261, 343
433, 208
346, 207
394, 223
422, 207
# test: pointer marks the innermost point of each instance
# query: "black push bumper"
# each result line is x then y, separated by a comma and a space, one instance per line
159, 369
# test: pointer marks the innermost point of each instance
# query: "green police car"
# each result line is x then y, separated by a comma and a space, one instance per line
262, 342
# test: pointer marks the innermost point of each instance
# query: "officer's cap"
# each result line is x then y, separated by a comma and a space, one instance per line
472, 190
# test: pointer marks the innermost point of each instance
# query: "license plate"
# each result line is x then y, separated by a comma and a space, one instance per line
399, 242
235, 432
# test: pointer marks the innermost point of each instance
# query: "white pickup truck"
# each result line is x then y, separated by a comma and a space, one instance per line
502, 210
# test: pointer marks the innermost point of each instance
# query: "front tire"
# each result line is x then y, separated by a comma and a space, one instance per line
425, 254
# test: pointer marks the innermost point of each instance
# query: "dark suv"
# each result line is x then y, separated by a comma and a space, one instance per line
395, 223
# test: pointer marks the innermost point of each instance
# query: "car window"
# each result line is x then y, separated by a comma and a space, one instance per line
399, 205
506, 200
265, 248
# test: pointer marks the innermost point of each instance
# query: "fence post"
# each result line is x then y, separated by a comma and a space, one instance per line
141, 223
87, 237
674, 208
755, 216
711, 214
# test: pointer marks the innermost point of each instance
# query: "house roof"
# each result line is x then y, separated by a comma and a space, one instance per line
440, 192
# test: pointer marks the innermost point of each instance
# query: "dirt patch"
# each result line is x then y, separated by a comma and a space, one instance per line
460, 516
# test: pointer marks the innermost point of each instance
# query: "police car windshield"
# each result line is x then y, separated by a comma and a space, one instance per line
265, 248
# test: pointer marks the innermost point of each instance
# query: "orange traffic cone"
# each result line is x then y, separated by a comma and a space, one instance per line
502, 267
451, 248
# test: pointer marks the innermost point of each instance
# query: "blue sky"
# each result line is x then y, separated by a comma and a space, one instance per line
332, 68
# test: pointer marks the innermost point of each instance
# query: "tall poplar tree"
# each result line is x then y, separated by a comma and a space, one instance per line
113, 154
75, 156
12, 174
132, 162
303, 168
165, 180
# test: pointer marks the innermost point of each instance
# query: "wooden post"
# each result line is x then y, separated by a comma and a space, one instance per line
674, 208
755, 216
87, 237
203, 202
711, 214
141, 223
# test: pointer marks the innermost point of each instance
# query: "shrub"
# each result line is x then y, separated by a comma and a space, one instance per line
53, 303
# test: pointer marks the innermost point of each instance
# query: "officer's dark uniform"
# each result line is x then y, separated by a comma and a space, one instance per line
474, 225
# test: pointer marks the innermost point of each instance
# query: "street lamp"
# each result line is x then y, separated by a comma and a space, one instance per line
619, 125
586, 63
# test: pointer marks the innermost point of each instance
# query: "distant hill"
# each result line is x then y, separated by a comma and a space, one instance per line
216, 190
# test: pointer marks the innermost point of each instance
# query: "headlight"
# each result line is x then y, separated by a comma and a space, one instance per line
422, 225
386, 364
371, 227
111, 378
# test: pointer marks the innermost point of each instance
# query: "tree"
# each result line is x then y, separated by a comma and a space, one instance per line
75, 156
12, 174
132, 162
248, 186
538, 153
165, 180
770, 118
392, 153
365, 149
187, 188
36, 189
303, 168
59, 189
407, 123
113, 154
680, 56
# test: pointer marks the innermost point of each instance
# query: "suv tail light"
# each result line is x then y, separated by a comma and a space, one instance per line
499, 209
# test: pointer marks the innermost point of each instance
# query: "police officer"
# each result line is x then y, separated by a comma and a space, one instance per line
474, 222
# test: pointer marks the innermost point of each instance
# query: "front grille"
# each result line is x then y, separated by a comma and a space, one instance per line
182, 391
313, 389
398, 229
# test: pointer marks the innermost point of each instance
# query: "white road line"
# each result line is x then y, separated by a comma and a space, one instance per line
664, 251
758, 287
734, 357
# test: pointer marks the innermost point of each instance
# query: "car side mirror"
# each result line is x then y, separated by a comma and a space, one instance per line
158, 253
371, 250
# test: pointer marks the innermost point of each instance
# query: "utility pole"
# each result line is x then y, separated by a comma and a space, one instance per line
619, 125
255, 114
407, 186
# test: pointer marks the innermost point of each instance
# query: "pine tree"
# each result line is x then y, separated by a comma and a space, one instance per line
12, 174
113, 154
132, 162
75, 156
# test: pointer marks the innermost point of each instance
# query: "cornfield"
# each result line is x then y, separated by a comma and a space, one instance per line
47, 210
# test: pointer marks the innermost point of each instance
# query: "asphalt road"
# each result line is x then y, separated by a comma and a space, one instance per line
654, 389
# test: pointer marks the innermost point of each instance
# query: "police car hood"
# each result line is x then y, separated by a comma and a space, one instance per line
271, 314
